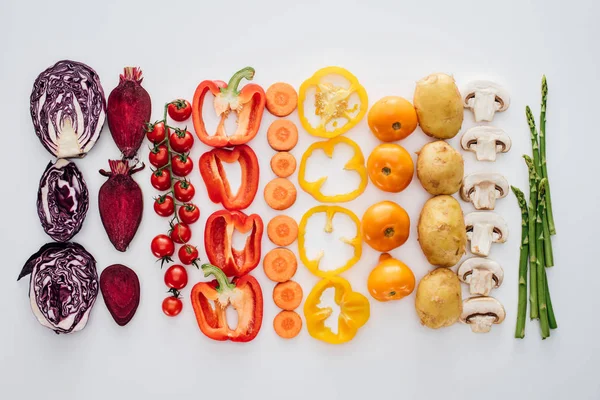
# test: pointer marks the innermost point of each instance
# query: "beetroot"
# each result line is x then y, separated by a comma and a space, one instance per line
128, 111
120, 288
121, 204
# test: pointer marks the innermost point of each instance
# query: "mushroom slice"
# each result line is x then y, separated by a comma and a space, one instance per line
485, 98
485, 141
483, 188
482, 274
481, 313
483, 229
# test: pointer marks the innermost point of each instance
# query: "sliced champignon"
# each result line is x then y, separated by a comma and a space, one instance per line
485, 98
483, 188
485, 141
483, 229
481, 313
481, 274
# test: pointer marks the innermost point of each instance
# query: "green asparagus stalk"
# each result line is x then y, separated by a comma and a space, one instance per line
533, 291
551, 317
522, 304
550, 214
541, 288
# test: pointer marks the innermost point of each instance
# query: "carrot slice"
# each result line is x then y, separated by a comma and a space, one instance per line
282, 135
280, 264
283, 164
287, 295
282, 99
280, 194
287, 324
282, 230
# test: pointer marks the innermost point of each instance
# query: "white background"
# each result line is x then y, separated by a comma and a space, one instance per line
388, 46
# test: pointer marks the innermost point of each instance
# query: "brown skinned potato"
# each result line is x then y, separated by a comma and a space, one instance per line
439, 106
439, 300
440, 168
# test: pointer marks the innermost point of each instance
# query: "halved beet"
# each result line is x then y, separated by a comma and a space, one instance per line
120, 288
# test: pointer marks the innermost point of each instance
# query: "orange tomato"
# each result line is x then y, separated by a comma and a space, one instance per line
392, 118
385, 226
390, 167
391, 279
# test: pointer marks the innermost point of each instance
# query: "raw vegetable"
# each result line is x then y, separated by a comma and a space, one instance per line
248, 103
385, 226
120, 202
392, 118
541, 260
484, 228
281, 99
438, 301
161, 179
164, 205
188, 255
287, 295
485, 98
128, 112
481, 313
120, 288
184, 190
181, 140
440, 168
68, 108
172, 306
390, 167
189, 213
159, 156
441, 231
280, 194
180, 110
483, 188
551, 226
355, 311
282, 230
287, 324
156, 132
481, 274
355, 242
355, 164
211, 299
180, 232
176, 278
162, 247
391, 279
217, 183
485, 142
62, 200
282, 135
332, 103
63, 286
522, 303
280, 264
181, 164
283, 164
533, 300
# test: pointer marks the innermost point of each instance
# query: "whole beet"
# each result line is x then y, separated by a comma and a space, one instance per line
120, 202
128, 111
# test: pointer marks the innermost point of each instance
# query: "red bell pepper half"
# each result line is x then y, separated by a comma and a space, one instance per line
248, 103
211, 299
215, 177
218, 241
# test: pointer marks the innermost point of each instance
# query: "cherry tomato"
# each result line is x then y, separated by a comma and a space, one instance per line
164, 205
188, 254
156, 132
159, 156
162, 246
176, 277
391, 279
385, 226
179, 110
184, 191
181, 141
189, 213
182, 165
390, 167
172, 306
392, 118
181, 233
161, 179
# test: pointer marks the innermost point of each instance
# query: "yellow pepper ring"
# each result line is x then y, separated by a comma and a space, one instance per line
331, 102
356, 163
356, 242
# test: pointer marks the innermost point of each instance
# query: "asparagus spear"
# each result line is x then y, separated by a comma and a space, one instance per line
541, 288
551, 226
551, 317
522, 305
533, 301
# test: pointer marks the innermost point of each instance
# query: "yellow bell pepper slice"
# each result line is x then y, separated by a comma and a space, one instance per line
356, 163
331, 102
356, 242
355, 311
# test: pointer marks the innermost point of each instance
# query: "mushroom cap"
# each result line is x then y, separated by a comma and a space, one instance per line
471, 181
487, 217
484, 306
502, 96
466, 269
472, 135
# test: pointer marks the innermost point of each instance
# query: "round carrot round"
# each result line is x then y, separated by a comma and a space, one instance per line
282, 135
280, 194
287, 295
287, 324
282, 99
283, 164
280, 264
282, 230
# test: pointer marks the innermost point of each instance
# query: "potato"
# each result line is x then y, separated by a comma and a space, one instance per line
440, 168
441, 231
439, 299
439, 106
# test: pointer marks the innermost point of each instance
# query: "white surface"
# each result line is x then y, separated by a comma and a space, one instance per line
388, 46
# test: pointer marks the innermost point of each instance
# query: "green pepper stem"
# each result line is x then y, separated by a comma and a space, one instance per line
219, 275
234, 82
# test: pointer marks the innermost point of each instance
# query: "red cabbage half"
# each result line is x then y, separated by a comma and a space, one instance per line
63, 286
63, 200
68, 108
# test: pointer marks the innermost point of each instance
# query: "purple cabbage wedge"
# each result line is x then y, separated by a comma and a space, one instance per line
63, 286
68, 108
63, 200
